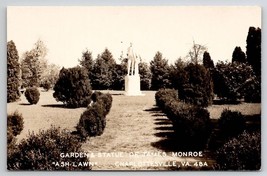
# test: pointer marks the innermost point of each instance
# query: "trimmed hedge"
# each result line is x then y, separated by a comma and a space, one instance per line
240, 153
191, 124
32, 94
93, 120
162, 95
231, 123
42, 152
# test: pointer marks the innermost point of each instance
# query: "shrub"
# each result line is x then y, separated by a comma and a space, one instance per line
240, 153
15, 123
93, 120
42, 152
163, 95
253, 91
32, 94
198, 86
73, 87
46, 85
231, 123
231, 79
191, 124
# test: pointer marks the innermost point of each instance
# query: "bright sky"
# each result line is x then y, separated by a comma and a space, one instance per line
68, 31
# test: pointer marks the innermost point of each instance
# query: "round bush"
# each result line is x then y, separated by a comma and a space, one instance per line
92, 121
15, 123
73, 87
231, 123
32, 94
240, 153
42, 152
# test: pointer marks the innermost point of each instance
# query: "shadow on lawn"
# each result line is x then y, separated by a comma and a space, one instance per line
25, 104
56, 106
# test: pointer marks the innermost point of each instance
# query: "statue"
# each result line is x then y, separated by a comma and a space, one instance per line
132, 79
132, 64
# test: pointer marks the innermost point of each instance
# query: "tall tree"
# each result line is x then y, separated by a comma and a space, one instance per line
34, 64
87, 61
13, 72
30, 70
178, 74
160, 72
207, 61
254, 49
145, 76
238, 55
103, 71
196, 52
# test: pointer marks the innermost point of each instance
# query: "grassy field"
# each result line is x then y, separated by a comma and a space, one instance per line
134, 124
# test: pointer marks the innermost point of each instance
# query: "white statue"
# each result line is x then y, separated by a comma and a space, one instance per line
132, 64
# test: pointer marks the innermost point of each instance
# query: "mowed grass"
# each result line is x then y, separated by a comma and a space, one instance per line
134, 124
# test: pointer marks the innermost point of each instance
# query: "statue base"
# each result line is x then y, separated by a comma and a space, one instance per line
132, 85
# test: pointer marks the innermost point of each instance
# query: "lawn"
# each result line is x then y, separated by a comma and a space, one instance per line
134, 124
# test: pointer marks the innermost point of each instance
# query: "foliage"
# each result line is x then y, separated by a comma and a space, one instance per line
87, 62
164, 95
207, 61
42, 152
238, 55
231, 79
240, 153
73, 87
118, 75
32, 94
231, 123
191, 124
145, 76
34, 64
49, 76
160, 72
198, 86
13, 72
252, 90
93, 120
15, 123
103, 71
178, 74
254, 49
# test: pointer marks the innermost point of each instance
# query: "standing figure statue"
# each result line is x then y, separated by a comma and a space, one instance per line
131, 63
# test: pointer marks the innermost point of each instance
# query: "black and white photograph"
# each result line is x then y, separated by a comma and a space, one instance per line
134, 88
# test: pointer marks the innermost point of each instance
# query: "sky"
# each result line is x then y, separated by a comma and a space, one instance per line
68, 31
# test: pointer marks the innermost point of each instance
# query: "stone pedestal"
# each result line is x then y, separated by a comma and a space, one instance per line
132, 85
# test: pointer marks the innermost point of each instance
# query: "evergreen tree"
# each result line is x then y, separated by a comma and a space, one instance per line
198, 86
238, 55
87, 62
103, 71
160, 72
254, 49
73, 87
145, 76
13, 72
177, 74
207, 61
